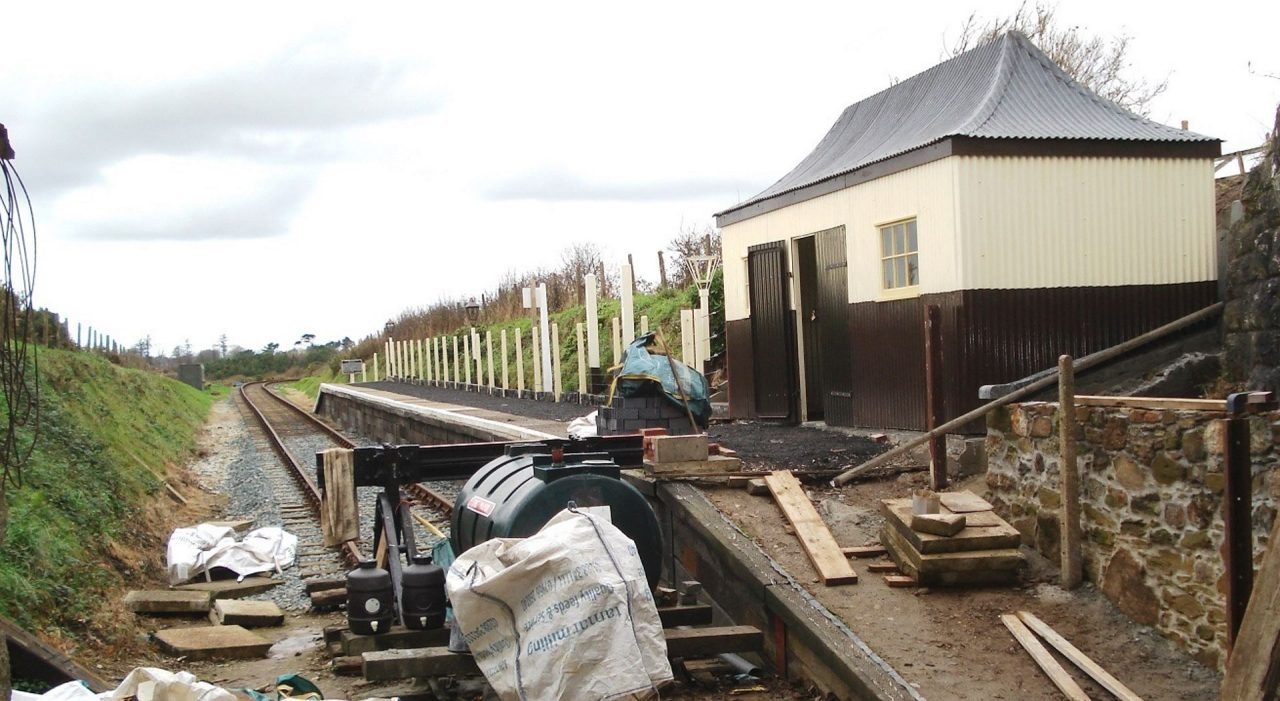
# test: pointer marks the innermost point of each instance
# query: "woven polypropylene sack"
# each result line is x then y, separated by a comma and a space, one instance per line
564, 614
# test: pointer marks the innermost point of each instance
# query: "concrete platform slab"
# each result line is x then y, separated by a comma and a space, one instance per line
168, 601
212, 643
230, 588
250, 614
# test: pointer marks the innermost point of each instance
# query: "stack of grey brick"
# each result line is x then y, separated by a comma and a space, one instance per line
630, 414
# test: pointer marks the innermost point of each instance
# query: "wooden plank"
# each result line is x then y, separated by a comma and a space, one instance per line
698, 642
864, 551
900, 581
1078, 658
339, 511
687, 615
1047, 664
40, 661
403, 663
883, 567
717, 465
964, 502
815, 537
1152, 402
1254, 665
897, 513
991, 567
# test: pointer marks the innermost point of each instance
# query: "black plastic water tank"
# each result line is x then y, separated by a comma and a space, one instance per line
370, 599
422, 594
515, 495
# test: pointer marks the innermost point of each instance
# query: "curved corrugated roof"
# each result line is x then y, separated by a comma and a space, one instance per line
1006, 89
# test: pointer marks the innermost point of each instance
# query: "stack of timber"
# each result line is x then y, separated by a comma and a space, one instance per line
985, 551
675, 457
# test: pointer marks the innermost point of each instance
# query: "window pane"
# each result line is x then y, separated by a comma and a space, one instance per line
888, 274
912, 244
913, 270
899, 238
886, 242
900, 272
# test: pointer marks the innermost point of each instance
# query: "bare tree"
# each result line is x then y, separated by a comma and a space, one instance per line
1098, 63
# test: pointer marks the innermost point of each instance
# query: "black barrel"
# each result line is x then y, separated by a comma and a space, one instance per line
370, 599
422, 594
515, 495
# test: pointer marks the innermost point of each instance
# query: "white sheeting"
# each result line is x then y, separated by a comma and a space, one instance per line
194, 550
143, 683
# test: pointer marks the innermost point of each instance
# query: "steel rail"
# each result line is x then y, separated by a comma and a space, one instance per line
349, 550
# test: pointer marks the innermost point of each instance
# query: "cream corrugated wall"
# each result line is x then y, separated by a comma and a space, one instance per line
995, 222
1084, 222
925, 192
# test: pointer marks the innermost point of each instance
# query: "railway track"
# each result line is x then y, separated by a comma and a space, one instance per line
296, 436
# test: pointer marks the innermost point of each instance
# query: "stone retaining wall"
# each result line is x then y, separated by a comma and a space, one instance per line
1151, 483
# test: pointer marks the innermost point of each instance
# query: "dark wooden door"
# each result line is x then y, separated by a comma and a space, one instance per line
772, 336
805, 264
833, 318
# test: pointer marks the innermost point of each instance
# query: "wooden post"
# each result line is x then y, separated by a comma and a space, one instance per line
1072, 562
582, 365
488, 345
593, 323
535, 346
477, 354
546, 340
375, 367
505, 377
555, 360
412, 364
662, 271
364, 370
1237, 519
519, 364
466, 358
686, 336
617, 341
456, 367
644, 324
628, 306
933, 396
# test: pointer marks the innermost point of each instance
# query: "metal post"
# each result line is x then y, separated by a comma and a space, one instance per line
933, 396
1072, 562
1237, 516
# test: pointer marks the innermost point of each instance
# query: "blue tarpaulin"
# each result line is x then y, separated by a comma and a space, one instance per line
644, 373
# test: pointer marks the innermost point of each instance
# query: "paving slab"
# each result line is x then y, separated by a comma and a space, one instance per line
250, 614
230, 588
212, 643
168, 601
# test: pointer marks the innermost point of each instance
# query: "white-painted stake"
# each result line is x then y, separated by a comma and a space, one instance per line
644, 324
593, 322
519, 362
555, 359
375, 367
504, 360
582, 363
617, 341
547, 384
628, 305
704, 329
488, 344
686, 336
536, 358
466, 358
456, 368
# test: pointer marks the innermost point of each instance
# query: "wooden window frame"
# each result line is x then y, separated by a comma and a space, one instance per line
898, 291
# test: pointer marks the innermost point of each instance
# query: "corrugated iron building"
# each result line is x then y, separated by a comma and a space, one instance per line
1040, 218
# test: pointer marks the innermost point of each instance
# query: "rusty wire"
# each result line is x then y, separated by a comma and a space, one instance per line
19, 368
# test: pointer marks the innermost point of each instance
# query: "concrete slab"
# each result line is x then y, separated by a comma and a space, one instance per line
230, 588
212, 643
168, 601
250, 614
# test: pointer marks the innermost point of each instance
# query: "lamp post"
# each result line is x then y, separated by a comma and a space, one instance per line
387, 328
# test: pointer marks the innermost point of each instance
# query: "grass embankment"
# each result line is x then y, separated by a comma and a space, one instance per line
79, 518
310, 386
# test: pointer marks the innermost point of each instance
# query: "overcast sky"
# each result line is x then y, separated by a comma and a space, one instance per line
266, 170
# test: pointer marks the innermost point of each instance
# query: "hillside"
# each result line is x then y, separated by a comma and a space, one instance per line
91, 501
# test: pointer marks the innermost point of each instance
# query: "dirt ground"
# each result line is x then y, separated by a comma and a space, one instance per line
950, 642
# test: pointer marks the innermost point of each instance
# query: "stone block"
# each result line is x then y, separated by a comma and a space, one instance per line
1193, 445
250, 614
679, 448
938, 524
1125, 583
169, 601
1166, 470
1128, 473
212, 643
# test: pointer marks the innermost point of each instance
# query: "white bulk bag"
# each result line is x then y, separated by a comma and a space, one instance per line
564, 614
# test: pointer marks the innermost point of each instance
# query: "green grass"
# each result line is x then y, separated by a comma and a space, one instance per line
310, 385
105, 433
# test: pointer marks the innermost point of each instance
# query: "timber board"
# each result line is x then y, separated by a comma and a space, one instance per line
998, 567
897, 513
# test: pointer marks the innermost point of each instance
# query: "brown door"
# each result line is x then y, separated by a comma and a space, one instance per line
772, 334
833, 317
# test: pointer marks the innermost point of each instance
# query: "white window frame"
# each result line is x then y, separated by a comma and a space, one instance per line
899, 251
